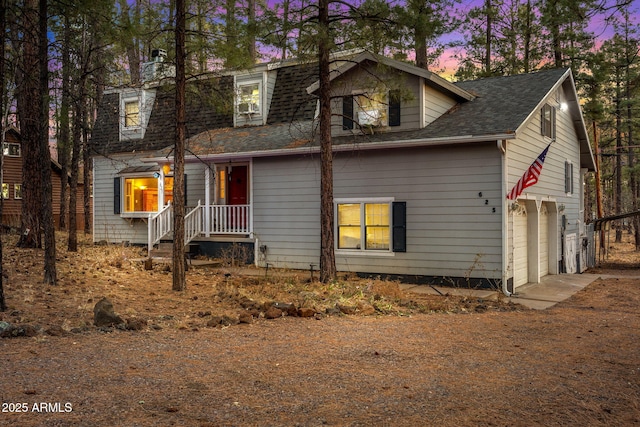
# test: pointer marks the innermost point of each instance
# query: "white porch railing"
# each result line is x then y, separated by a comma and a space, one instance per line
160, 225
227, 219
207, 220
193, 223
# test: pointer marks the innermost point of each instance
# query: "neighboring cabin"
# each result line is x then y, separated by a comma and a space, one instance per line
422, 170
12, 185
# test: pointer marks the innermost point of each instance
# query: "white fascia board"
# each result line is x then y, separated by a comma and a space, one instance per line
342, 148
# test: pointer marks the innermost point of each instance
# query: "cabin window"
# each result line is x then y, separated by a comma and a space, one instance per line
5, 190
249, 98
548, 121
379, 109
11, 149
131, 113
141, 193
364, 225
17, 191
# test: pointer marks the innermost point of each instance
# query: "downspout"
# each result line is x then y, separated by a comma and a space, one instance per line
502, 146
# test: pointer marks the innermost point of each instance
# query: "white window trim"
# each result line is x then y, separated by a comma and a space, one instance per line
7, 144
132, 132
239, 87
160, 176
362, 251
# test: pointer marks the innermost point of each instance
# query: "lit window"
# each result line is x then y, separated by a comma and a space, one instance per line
249, 99
364, 226
11, 150
5, 190
371, 110
141, 194
548, 121
131, 114
17, 191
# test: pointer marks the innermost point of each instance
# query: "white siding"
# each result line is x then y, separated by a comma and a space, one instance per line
451, 229
523, 151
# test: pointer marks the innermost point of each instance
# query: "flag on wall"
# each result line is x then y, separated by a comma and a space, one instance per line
530, 177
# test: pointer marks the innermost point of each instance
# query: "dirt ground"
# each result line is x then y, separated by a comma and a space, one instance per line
211, 356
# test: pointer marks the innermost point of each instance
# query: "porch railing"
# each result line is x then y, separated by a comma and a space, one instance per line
203, 219
160, 225
227, 219
193, 223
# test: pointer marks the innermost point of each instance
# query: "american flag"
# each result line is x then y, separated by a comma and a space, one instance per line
530, 177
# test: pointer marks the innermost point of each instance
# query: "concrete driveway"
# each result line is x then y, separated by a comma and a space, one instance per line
551, 290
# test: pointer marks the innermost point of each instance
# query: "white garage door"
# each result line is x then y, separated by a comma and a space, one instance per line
544, 240
520, 263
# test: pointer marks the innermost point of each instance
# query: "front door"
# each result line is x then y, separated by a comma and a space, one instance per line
238, 185
238, 195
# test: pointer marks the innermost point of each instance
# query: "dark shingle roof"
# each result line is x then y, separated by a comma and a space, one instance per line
290, 101
208, 106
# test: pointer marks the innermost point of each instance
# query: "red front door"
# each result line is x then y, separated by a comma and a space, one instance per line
238, 195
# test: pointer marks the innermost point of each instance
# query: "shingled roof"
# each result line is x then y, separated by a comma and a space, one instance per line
209, 105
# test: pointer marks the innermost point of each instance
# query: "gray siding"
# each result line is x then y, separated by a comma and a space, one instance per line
112, 227
435, 104
363, 80
450, 229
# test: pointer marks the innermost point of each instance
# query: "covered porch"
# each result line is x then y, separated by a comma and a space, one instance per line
225, 211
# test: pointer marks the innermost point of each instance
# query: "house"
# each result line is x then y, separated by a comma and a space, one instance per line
422, 170
12, 184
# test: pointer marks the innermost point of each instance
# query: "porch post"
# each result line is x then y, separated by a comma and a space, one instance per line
207, 200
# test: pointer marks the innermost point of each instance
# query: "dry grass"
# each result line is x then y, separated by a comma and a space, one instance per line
576, 363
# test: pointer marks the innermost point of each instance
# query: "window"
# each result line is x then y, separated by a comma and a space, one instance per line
11, 149
249, 99
371, 110
364, 225
17, 191
141, 194
548, 121
5, 190
131, 113
568, 177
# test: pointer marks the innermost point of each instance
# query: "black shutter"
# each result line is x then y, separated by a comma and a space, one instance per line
553, 123
394, 108
347, 112
185, 189
399, 226
116, 196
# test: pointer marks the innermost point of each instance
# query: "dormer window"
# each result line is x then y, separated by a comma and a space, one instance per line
371, 110
131, 113
249, 99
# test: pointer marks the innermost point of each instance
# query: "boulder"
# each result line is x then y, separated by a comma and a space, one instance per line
306, 312
272, 313
103, 314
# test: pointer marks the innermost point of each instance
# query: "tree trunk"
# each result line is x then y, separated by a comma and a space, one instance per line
63, 123
3, 28
29, 110
619, 150
488, 35
179, 280
251, 19
327, 254
45, 155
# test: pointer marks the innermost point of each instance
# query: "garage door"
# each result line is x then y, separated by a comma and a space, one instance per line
520, 266
544, 240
